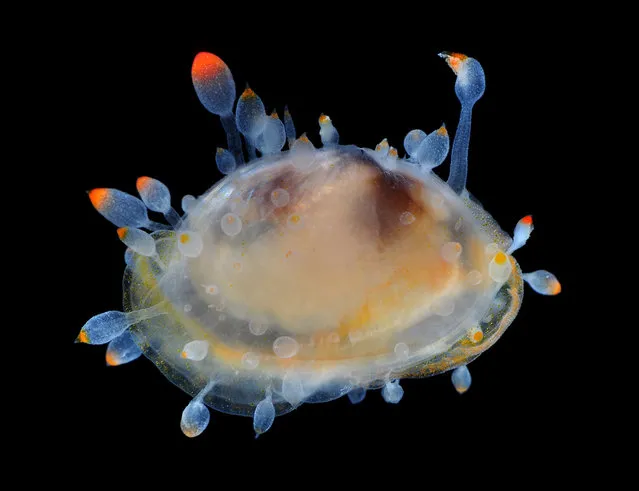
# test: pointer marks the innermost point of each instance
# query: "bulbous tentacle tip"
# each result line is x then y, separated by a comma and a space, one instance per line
471, 81
543, 282
82, 337
225, 161
461, 379
454, 60
99, 197
121, 350
121, 209
213, 83
523, 229
207, 65
248, 93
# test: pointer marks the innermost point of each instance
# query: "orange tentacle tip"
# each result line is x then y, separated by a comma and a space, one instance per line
442, 131
323, 119
99, 197
274, 114
206, 65
459, 56
248, 93
382, 144
527, 220
454, 60
555, 288
142, 183
111, 360
122, 231
82, 337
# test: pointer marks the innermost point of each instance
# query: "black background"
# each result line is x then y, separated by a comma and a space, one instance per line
135, 113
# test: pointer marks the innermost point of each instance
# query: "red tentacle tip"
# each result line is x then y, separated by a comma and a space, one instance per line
206, 65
